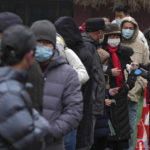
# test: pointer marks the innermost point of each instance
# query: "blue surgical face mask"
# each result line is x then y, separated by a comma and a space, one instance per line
127, 33
118, 22
105, 68
43, 53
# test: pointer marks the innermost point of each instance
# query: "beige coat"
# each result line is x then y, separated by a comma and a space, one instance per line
141, 55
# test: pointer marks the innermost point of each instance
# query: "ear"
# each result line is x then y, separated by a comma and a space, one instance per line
31, 53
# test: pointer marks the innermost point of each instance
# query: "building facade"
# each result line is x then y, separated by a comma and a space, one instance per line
81, 14
32, 10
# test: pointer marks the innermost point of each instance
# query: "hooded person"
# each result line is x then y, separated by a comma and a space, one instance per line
94, 89
21, 127
130, 38
122, 11
77, 65
62, 98
75, 62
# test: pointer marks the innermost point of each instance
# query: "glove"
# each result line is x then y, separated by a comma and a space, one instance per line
131, 80
144, 73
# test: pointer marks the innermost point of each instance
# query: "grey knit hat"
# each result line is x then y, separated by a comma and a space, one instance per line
44, 30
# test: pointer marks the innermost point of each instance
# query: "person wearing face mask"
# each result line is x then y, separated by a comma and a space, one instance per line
94, 89
119, 57
85, 47
103, 123
122, 11
62, 97
130, 38
21, 126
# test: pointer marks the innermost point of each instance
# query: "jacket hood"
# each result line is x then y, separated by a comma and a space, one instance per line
57, 60
8, 73
68, 29
136, 30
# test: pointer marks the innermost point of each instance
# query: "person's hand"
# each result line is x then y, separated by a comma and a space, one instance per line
134, 66
115, 72
108, 102
114, 91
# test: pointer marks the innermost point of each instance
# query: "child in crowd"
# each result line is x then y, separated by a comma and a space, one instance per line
104, 126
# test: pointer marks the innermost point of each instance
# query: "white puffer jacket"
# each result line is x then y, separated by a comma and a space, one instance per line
73, 60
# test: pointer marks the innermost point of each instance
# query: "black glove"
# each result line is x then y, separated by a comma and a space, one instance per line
144, 73
131, 80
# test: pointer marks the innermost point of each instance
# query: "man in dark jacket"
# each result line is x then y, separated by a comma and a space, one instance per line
62, 97
21, 127
94, 89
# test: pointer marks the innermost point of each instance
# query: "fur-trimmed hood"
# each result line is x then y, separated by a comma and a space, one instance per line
136, 30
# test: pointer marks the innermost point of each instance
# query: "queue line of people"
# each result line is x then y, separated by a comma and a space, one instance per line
81, 91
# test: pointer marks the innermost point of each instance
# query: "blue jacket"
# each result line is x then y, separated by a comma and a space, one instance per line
21, 127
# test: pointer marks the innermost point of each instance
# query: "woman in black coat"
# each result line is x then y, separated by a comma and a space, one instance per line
119, 57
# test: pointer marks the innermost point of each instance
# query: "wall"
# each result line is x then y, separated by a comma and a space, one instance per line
81, 14
32, 10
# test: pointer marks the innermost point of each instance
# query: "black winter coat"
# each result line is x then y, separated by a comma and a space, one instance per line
96, 83
21, 127
119, 111
85, 47
102, 126
93, 90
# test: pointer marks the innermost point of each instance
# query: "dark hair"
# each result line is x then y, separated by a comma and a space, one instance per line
17, 41
124, 8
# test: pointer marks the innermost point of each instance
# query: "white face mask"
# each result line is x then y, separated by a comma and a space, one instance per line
113, 42
105, 68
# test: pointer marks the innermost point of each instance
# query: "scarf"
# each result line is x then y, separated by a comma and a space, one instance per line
116, 64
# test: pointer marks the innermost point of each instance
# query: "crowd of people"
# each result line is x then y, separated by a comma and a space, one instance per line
64, 87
